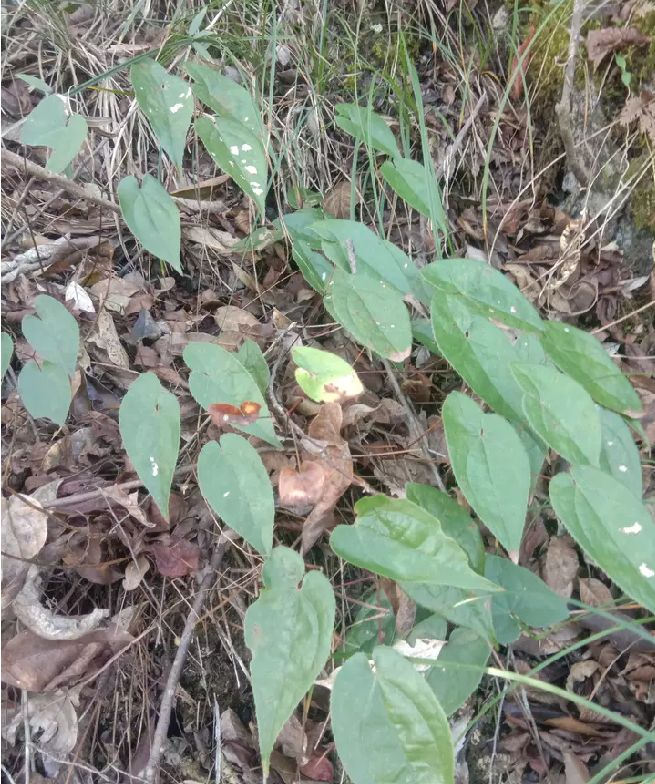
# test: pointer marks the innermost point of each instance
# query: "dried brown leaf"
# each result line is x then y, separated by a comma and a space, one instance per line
595, 593
640, 108
176, 559
24, 533
327, 448
561, 566
301, 490
600, 43
45, 623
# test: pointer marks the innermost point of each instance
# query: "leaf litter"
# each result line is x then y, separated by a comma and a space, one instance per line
111, 547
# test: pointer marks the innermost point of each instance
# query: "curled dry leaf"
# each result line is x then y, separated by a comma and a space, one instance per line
176, 559
24, 533
595, 593
600, 43
134, 573
31, 663
301, 490
326, 447
28, 608
53, 722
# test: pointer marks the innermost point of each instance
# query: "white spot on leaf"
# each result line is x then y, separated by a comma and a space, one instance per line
176, 108
512, 309
646, 571
635, 528
226, 493
245, 148
251, 169
623, 468
234, 149
153, 466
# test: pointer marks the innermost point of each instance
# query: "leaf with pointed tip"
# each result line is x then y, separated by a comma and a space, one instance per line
454, 686
167, 102
7, 351
235, 484
582, 356
398, 732
373, 255
398, 539
289, 632
414, 183
491, 467
619, 455
53, 333
217, 376
50, 125
365, 124
225, 97
45, 391
611, 525
470, 609
560, 412
254, 361
481, 353
372, 312
149, 422
238, 152
526, 598
152, 216
486, 291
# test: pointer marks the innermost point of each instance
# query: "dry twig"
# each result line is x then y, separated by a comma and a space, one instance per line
563, 108
168, 695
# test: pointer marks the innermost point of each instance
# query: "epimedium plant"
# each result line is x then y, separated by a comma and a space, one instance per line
547, 391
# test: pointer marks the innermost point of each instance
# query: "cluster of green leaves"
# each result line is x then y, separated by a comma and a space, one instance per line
546, 387
44, 383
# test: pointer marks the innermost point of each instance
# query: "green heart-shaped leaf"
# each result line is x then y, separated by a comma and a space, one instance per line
582, 356
50, 125
372, 312
217, 376
149, 421
560, 412
388, 725
485, 290
152, 216
45, 390
235, 484
53, 333
398, 539
491, 467
611, 525
167, 102
289, 632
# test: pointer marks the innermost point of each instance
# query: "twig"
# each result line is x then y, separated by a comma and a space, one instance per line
563, 108
416, 432
454, 147
91, 495
168, 695
34, 170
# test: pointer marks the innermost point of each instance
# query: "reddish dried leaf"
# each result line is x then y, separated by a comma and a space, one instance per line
302, 489
176, 559
223, 414
326, 447
318, 768
600, 43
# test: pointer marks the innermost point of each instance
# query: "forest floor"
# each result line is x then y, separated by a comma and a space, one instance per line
491, 74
